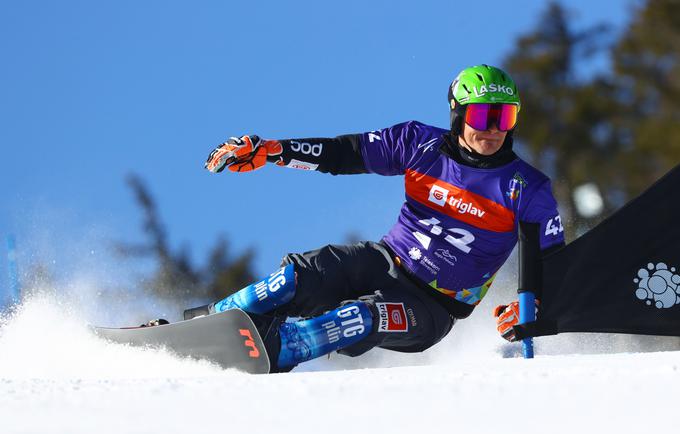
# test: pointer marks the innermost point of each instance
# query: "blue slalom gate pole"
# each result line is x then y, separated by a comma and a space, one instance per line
530, 278
15, 291
527, 313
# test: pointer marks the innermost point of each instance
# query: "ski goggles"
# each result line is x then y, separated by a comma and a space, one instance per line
482, 116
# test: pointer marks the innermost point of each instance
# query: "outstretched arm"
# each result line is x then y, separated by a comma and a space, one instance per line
339, 155
385, 152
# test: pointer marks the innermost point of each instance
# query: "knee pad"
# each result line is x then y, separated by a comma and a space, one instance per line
314, 337
263, 296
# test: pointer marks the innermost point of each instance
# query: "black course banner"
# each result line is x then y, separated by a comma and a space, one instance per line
623, 276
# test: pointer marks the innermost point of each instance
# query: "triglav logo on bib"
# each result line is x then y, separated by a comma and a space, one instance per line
658, 286
438, 195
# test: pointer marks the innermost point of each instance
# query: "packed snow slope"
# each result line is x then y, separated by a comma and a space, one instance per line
56, 377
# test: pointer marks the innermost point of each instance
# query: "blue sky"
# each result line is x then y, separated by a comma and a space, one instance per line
93, 90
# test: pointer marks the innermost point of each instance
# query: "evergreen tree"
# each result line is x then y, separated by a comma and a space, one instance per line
564, 118
646, 66
176, 277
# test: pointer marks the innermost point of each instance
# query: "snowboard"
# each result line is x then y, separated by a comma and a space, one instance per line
228, 339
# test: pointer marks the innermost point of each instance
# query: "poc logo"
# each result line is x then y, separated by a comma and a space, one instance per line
307, 148
438, 195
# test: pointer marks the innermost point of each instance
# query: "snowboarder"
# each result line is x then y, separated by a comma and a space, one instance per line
466, 190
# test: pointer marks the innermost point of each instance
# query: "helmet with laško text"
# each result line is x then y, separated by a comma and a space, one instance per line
493, 94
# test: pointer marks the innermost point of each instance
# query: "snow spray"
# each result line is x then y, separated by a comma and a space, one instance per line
14, 289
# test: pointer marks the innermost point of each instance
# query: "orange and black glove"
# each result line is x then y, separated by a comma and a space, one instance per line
507, 316
243, 154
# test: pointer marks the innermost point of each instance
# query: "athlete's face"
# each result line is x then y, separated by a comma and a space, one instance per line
482, 142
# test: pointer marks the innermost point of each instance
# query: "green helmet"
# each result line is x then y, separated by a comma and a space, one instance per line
479, 84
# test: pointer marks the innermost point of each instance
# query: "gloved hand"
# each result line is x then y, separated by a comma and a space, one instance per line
242, 154
507, 316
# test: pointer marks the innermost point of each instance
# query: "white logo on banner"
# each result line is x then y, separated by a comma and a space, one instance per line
658, 285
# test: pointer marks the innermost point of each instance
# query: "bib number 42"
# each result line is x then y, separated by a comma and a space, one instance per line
457, 237
554, 226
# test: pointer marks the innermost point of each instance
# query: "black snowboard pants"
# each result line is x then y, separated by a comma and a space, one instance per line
405, 317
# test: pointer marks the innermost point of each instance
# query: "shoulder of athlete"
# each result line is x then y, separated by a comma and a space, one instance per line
424, 131
413, 131
530, 174
421, 137
536, 186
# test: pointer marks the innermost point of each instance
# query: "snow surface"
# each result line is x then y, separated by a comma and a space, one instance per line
56, 377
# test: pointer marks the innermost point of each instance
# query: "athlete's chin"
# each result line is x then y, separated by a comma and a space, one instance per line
488, 147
